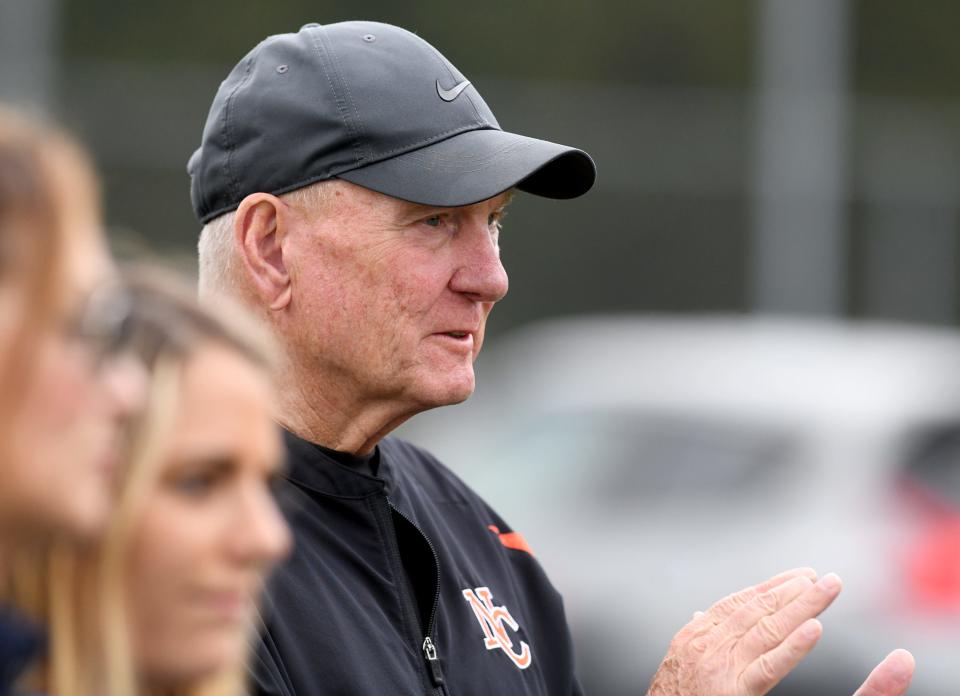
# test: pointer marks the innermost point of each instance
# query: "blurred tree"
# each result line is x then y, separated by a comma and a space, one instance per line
660, 91
647, 41
907, 49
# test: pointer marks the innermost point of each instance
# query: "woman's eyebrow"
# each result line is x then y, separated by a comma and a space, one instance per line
212, 462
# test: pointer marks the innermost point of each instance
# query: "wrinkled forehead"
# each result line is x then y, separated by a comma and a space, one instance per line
356, 196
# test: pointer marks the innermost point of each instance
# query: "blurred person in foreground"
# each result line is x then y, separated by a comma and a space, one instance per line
164, 604
352, 183
65, 384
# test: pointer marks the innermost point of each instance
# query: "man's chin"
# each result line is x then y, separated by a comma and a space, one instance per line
450, 393
458, 398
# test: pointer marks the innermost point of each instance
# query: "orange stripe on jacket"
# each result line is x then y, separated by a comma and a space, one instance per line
512, 540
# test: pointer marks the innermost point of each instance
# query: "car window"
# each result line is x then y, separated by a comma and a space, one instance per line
932, 462
636, 456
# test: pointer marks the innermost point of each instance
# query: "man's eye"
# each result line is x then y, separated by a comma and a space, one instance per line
433, 221
496, 219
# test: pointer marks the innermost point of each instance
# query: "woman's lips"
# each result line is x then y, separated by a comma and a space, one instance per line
230, 605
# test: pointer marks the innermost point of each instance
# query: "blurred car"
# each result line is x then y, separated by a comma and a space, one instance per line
655, 464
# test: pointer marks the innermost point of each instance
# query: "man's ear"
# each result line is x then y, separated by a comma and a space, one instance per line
260, 229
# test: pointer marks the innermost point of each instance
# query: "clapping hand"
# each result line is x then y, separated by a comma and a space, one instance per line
747, 642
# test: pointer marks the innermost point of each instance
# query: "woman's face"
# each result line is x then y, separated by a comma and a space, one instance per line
210, 529
64, 428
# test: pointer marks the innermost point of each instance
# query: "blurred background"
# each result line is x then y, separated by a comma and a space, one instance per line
737, 354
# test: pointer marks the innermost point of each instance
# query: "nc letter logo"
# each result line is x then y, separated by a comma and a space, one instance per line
494, 622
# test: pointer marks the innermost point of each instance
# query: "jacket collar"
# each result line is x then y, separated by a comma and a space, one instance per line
312, 466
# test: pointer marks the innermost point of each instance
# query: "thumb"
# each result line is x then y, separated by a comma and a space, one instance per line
891, 677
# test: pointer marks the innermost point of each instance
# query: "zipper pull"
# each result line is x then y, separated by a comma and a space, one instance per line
433, 662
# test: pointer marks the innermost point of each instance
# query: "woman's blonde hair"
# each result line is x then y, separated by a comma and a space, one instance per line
80, 593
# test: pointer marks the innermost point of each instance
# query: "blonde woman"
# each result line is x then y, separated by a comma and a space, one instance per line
64, 392
61, 403
164, 604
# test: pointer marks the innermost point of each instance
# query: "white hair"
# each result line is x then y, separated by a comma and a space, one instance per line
219, 254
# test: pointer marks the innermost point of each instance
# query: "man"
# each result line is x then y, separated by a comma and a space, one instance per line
351, 182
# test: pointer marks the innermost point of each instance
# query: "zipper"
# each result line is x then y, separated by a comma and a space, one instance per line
433, 662
429, 650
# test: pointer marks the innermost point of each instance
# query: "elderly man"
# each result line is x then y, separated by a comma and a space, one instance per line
351, 182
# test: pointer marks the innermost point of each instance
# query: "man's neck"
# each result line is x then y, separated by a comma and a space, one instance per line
326, 417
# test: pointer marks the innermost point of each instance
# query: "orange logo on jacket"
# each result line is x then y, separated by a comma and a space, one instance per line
492, 620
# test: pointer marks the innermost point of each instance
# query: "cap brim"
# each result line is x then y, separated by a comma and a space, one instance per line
476, 165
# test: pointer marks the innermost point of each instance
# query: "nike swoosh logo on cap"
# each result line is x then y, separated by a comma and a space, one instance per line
448, 95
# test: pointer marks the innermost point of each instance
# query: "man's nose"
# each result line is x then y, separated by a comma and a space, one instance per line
481, 274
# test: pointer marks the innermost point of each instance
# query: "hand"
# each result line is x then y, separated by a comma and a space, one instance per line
891, 677
747, 642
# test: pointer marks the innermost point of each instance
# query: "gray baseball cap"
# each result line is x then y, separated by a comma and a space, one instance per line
373, 104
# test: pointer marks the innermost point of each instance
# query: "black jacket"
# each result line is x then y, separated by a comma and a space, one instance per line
20, 642
405, 584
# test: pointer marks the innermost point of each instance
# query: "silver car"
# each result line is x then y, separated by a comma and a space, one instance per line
656, 463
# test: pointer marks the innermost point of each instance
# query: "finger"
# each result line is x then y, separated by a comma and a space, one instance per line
771, 630
720, 610
781, 578
891, 677
763, 605
729, 604
769, 669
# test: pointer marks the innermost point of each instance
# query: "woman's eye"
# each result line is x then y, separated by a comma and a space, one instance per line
195, 485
